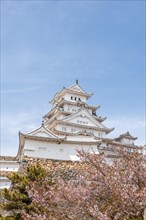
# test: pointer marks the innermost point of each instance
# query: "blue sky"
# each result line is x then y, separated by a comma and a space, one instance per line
46, 45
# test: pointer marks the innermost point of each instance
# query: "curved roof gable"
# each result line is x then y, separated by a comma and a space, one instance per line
42, 132
126, 135
83, 113
75, 88
85, 133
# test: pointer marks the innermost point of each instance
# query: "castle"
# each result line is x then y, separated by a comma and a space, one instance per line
71, 124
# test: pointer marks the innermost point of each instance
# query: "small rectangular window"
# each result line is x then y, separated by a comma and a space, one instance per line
63, 128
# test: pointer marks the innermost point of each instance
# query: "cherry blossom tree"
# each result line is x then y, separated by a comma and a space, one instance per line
96, 191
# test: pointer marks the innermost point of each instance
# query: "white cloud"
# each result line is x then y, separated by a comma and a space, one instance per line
20, 90
21, 121
11, 124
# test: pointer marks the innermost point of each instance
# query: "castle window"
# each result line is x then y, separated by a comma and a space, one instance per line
75, 98
41, 148
63, 128
71, 97
79, 99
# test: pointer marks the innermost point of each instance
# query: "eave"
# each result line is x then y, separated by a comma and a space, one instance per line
75, 133
78, 103
100, 119
116, 143
62, 102
57, 140
23, 137
107, 130
127, 135
64, 90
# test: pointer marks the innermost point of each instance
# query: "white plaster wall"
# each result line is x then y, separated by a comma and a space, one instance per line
71, 108
63, 128
42, 134
74, 129
68, 97
9, 166
82, 121
81, 138
4, 182
127, 141
52, 150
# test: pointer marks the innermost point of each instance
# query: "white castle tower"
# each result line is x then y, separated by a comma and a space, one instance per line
70, 125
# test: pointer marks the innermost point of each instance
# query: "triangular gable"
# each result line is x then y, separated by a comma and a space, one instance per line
126, 135
84, 133
83, 117
83, 136
76, 88
42, 132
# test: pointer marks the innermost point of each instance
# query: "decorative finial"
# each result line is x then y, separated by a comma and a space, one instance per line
43, 123
76, 81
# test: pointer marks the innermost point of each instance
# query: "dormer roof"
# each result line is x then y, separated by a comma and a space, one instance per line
99, 118
59, 106
74, 89
42, 132
126, 135
82, 114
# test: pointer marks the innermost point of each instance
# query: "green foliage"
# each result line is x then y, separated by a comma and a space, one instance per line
16, 216
35, 172
98, 191
16, 198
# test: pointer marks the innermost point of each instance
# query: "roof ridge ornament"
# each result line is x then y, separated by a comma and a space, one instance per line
77, 81
43, 123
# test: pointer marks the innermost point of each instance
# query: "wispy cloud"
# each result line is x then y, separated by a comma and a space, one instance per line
11, 124
14, 122
20, 90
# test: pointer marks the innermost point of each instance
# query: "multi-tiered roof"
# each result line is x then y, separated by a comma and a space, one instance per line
71, 123
71, 113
